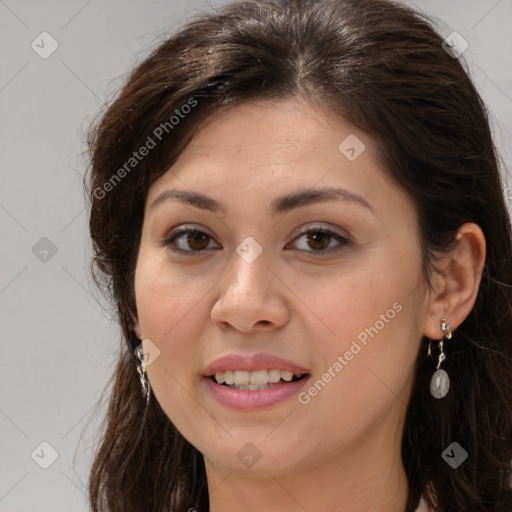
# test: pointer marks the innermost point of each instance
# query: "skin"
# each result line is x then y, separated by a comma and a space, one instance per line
340, 451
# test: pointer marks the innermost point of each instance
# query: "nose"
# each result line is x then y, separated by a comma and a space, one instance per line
250, 297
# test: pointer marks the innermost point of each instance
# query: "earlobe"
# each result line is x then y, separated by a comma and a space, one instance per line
458, 281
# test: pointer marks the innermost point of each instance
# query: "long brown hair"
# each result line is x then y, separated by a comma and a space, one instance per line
382, 67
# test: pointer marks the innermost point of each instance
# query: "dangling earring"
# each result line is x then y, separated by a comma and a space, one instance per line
141, 370
440, 382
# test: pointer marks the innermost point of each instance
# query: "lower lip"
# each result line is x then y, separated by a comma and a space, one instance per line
257, 399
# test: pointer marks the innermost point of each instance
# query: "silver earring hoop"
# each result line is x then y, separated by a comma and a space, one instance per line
141, 370
440, 382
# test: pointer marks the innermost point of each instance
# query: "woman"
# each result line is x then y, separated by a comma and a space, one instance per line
296, 207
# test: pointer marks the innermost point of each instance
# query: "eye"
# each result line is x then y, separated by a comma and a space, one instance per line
319, 239
197, 241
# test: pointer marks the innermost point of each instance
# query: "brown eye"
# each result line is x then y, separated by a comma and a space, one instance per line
190, 241
318, 241
194, 242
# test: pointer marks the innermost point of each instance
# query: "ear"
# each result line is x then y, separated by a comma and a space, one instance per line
457, 283
136, 326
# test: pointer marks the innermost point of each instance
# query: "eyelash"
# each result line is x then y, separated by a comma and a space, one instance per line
171, 238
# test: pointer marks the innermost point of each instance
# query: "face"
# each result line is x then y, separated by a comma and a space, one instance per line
273, 278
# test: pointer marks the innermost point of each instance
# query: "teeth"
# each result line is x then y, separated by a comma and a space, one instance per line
253, 380
241, 378
287, 376
274, 375
259, 377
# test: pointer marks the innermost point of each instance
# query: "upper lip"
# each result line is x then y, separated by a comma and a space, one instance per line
252, 363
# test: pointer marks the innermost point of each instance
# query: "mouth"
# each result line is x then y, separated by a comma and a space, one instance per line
255, 380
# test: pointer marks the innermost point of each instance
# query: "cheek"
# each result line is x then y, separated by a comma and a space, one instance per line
363, 383
171, 304
368, 341
345, 303
166, 299
167, 307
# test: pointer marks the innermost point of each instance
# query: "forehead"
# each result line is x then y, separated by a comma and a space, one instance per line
285, 130
261, 150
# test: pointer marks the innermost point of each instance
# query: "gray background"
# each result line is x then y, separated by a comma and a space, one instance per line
59, 344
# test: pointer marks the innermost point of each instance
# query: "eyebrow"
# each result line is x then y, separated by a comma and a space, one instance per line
279, 205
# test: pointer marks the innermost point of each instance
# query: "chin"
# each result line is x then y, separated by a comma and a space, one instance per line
258, 458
